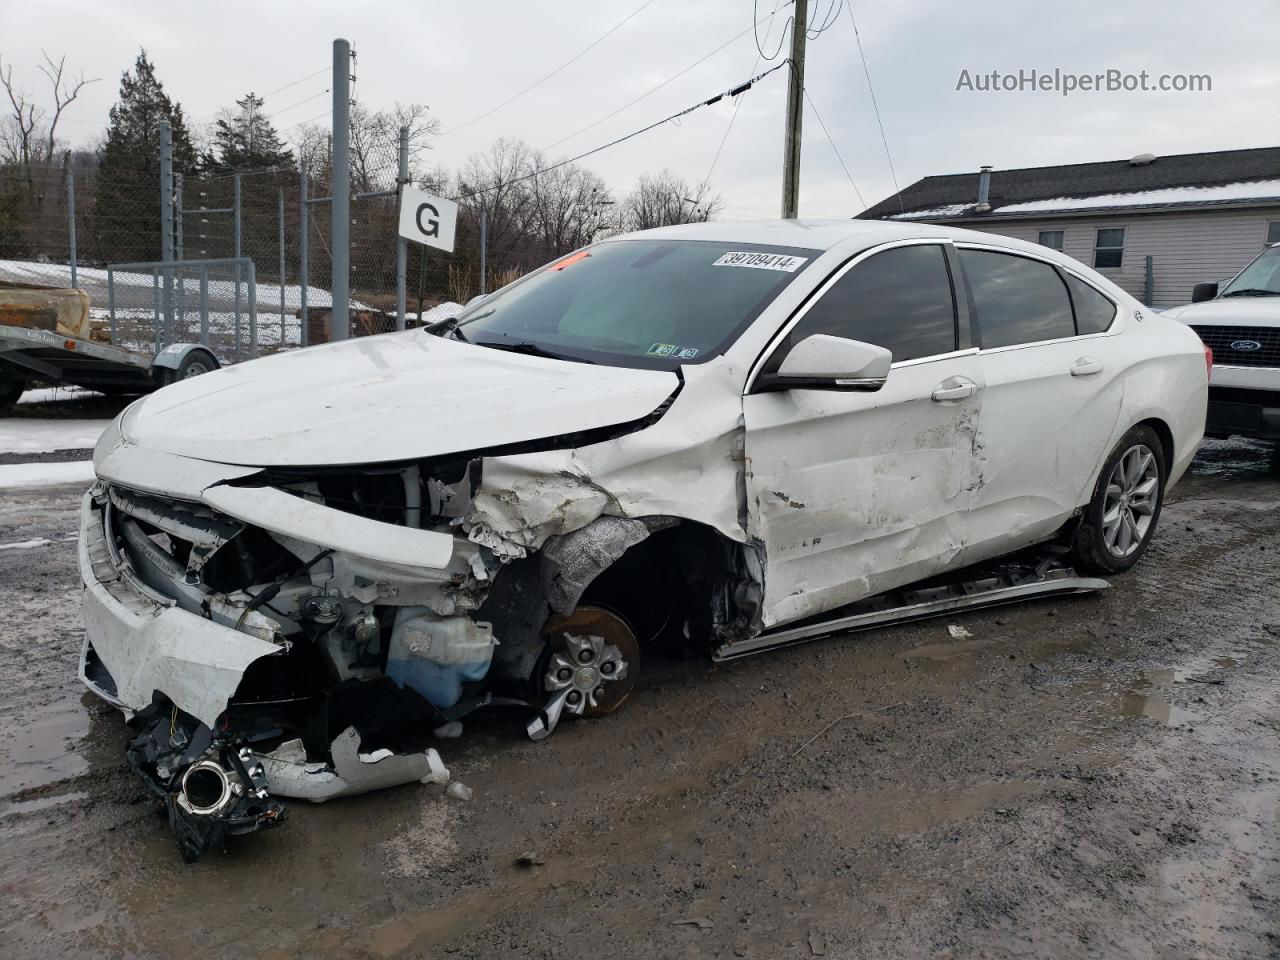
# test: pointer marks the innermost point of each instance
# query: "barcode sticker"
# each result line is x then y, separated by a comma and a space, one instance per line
762, 261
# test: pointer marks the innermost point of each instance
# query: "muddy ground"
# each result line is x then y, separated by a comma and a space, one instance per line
1094, 776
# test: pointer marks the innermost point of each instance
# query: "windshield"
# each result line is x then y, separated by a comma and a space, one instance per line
637, 303
1258, 279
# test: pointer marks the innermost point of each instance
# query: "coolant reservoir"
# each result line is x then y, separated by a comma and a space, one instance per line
435, 655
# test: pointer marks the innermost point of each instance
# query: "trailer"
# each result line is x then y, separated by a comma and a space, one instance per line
46, 333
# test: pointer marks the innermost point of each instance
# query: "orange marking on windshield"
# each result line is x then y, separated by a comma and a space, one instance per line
572, 258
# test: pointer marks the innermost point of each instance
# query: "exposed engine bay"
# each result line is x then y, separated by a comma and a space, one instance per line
253, 664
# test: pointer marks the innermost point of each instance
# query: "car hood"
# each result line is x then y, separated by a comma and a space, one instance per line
385, 398
1230, 312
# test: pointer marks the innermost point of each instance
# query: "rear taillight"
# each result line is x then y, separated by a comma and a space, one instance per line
1208, 360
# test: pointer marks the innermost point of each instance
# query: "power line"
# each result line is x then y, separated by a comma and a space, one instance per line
276, 113
272, 93
836, 150
735, 91
578, 56
755, 12
737, 103
883, 139
653, 90
833, 12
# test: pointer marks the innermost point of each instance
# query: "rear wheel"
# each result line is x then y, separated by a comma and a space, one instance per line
1121, 518
195, 363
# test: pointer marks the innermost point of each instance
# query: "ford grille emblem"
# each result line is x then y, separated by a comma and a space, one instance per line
1246, 345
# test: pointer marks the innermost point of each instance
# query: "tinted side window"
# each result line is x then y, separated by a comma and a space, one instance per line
1094, 312
1018, 300
900, 299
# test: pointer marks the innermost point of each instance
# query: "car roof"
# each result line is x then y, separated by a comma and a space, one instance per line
819, 234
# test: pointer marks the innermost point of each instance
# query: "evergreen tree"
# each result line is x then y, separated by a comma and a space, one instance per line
127, 208
244, 139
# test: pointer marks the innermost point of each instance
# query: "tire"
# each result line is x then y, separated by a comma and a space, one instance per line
12, 383
1125, 494
195, 363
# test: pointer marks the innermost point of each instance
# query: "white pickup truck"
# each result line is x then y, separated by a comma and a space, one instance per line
1241, 325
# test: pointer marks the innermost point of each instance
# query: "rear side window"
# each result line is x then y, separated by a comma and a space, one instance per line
900, 299
1094, 312
1018, 300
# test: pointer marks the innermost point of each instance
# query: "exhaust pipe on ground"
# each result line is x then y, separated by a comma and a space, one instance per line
206, 789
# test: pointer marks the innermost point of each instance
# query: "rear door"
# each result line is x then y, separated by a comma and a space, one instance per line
1052, 394
854, 493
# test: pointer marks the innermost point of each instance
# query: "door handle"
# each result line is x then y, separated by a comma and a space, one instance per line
954, 388
1086, 367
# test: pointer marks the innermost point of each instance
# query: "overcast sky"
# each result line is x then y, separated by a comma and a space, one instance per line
462, 59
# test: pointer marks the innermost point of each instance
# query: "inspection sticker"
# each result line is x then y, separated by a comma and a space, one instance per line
672, 350
762, 261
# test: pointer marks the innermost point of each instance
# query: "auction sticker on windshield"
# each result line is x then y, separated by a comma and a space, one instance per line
761, 261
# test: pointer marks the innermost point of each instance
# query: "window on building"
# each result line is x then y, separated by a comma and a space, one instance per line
1051, 239
900, 299
1108, 247
1018, 300
1273, 232
1094, 312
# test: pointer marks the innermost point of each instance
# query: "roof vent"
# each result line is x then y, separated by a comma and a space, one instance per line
1142, 159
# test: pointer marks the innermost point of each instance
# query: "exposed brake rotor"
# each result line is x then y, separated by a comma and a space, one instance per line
593, 666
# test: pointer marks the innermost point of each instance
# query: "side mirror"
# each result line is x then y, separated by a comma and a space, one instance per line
823, 362
1203, 291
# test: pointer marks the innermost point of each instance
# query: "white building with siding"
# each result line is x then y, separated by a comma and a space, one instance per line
1156, 226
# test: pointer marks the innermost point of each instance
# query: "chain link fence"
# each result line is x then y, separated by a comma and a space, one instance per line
101, 230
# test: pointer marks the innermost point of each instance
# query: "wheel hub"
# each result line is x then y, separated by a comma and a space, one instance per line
581, 669
591, 669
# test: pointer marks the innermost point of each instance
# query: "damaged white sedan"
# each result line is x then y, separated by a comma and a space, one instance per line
726, 437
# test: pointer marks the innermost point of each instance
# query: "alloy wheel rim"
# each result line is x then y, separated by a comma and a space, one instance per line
1129, 504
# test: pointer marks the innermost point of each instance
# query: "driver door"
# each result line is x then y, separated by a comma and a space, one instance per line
854, 493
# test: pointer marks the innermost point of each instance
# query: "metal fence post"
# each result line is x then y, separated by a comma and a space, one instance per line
280, 217
235, 239
178, 251
1149, 287
253, 310
304, 230
71, 218
111, 302
402, 245
484, 243
340, 223
204, 305
166, 229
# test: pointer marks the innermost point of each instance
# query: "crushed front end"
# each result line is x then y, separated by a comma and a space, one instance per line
251, 662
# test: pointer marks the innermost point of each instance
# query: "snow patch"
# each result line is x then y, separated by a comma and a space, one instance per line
950, 210
1222, 193
44, 436
15, 476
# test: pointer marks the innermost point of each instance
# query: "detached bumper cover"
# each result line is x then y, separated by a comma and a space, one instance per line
146, 643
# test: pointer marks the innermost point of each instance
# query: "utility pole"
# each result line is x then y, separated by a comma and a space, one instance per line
795, 114
340, 218
402, 245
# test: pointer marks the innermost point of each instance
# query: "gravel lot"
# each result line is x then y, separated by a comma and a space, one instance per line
1094, 776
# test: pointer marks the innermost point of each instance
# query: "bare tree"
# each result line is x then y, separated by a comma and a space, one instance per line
568, 206
663, 199
30, 134
496, 183
375, 139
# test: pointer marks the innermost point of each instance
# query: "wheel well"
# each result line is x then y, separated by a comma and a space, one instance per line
667, 586
1166, 440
